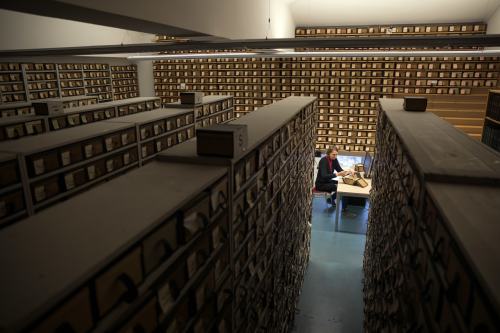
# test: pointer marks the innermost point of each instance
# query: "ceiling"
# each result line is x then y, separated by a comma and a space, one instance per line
359, 12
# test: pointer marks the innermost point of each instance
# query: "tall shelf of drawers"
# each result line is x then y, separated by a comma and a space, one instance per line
12, 83
429, 257
269, 211
347, 88
41, 81
165, 261
71, 79
97, 79
124, 80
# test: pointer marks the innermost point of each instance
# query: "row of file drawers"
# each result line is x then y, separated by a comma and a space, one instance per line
191, 246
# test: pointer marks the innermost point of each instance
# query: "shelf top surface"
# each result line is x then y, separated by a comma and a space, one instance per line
82, 235
8, 106
472, 215
261, 124
7, 157
105, 105
205, 100
51, 140
18, 119
440, 151
149, 116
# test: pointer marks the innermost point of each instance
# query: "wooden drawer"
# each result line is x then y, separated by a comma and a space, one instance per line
119, 283
198, 111
86, 117
219, 197
172, 140
13, 131
181, 136
71, 154
41, 163
11, 203
146, 131
144, 321
147, 149
219, 232
73, 120
204, 294
195, 217
180, 121
45, 189
93, 147
198, 255
96, 169
170, 290
114, 163
190, 132
75, 179
113, 141
34, 127
75, 315
239, 209
104, 114
170, 124
130, 156
160, 245
9, 173
158, 127
58, 123
189, 119
127, 137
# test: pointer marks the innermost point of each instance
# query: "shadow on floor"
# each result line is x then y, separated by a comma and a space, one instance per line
331, 299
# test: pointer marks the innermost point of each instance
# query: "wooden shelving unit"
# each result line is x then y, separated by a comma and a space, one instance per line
12, 203
491, 126
124, 80
41, 81
214, 109
71, 80
160, 129
97, 80
347, 88
12, 83
269, 210
428, 256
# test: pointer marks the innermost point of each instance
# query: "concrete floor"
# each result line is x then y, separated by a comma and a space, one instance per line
331, 298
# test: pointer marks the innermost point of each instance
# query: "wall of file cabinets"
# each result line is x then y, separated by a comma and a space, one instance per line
491, 127
171, 261
270, 211
77, 154
27, 109
33, 81
347, 88
84, 112
431, 244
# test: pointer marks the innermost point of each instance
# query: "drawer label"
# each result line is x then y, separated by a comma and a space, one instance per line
144, 151
143, 133
55, 124
39, 166
124, 139
156, 129
126, 158
165, 298
158, 146
91, 172
89, 151
66, 158
110, 165
109, 144
69, 181
40, 193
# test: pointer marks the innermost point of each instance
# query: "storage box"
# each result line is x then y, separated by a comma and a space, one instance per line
49, 107
191, 97
222, 140
413, 103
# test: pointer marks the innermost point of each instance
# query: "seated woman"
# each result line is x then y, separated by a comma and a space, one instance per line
326, 172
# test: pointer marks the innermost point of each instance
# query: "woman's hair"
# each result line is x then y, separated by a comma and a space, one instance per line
329, 150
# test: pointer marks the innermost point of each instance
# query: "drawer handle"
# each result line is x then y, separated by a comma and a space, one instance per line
65, 328
131, 292
167, 248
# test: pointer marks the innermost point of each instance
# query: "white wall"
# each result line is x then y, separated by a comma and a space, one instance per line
223, 18
494, 23
25, 31
145, 78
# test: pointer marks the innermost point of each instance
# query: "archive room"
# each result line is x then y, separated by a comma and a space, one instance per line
264, 166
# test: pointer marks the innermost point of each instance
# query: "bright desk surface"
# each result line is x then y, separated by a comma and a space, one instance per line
344, 190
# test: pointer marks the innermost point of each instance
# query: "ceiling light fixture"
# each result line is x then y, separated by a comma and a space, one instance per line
292, 54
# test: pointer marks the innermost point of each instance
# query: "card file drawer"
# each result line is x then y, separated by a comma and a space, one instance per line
74, 315
11, 203
119, 284
9, 173
219, 197
195, 218
160, 245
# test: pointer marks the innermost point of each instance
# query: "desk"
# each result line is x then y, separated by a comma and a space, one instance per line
344, 190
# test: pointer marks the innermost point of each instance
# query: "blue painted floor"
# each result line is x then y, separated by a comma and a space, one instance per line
331, 299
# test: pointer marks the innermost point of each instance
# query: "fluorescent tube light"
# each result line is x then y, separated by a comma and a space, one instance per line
291, 54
